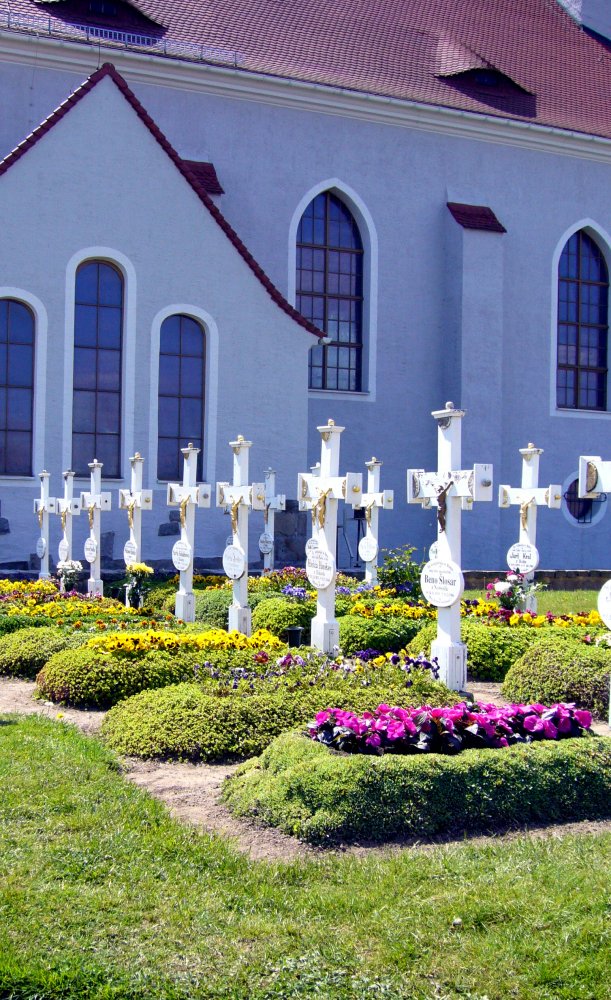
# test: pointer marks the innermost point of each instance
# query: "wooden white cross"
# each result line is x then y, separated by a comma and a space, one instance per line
94, 502
273, 502
134, 501
372, 502
528, 497
594, 477
451, 489
187, 496
67, 507
239, 498
320, 491
43, 506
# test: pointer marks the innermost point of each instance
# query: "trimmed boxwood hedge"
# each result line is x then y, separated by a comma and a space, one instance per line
13, 623
24, 653
277, 614
184, 721
320, 796
212, 606
491, 649
562, 669
388, 635
91, 679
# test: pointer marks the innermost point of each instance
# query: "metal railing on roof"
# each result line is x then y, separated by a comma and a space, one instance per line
113, 38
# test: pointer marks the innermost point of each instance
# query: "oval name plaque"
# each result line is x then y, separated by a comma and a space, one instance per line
311, 546
130, 552
91, 550
442, 583
181, 555
320, 569
368, 548
523, 557
266, 543
234, 562
63, 550
41, 547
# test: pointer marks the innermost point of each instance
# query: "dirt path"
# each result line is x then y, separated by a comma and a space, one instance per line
192, 791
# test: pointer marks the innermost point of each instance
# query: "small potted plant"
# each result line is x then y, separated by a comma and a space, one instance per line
136, 588
68, 572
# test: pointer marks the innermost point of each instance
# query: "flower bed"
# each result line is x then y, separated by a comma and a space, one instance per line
137, 643
322, 797
449, 730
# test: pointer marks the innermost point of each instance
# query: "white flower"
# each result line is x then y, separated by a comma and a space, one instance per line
502, 588
512, 578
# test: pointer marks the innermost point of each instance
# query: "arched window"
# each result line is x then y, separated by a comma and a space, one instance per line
181, 393
98, 336
16, 388
330, 291
583, 294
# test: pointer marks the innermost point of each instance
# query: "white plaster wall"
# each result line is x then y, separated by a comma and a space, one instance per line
268, 157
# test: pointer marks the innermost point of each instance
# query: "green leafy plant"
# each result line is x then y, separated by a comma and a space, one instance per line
562, 669
385, 634
279, 613
24, 653
491, 649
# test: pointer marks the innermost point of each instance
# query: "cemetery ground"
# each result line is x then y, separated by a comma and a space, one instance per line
106, 894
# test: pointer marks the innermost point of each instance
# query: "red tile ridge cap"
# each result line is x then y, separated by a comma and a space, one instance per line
108, 70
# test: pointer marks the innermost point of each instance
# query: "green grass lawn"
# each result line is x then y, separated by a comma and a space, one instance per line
560, 602
102, 895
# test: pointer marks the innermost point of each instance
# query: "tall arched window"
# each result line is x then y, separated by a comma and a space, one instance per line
98, 336
330, 291
16, 388
181, 393
583, 294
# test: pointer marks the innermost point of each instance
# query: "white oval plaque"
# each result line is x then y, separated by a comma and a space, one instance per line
181, 555
311, 546
91, 550
523, 557
41, 547
320, 569
434, 551
234, 562
604, 603
266, 543
368, 548
442, 583
130, 552
63, 550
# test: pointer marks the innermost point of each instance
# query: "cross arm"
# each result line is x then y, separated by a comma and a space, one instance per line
253, 496
594, 476
100, 501
49, 505
550, 496
140, 498
311, 487
384, 499
197, 495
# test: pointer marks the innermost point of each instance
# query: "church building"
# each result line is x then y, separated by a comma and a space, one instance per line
225, 217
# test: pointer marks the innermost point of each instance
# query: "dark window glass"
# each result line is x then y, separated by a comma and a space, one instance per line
98, 336
582, 509
583, 293
330, 291
181, 394
16, 388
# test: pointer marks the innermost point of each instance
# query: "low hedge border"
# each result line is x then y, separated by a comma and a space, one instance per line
324, 797
491, 648
562, 669
182, 721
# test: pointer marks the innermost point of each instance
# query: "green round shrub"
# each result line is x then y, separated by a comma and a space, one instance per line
24, 653
386, 634
559, 669
278, 613
212, 607
13, 623
184, 721
92, 679
157, 598
491, 649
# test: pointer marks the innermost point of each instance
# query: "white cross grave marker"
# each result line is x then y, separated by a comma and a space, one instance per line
273, 502
594, 477
134, 501
523, 556
373, 501
94, 502
187, 496
451, 490
320, 492
44, 506
67, 507
239, 498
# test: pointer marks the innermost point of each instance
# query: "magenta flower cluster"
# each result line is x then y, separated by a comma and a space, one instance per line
466, 726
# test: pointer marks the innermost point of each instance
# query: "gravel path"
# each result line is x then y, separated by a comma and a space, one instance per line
192, 791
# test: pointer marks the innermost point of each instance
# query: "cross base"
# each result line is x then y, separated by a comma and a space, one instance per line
325, 634
240, 619
95, 588
452, 659
184, 607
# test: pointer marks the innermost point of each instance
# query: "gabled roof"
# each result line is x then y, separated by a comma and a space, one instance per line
402, 49
189, 174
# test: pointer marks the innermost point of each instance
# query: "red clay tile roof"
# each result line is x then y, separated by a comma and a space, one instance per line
206, 175
403, 48
108, 70
476, 217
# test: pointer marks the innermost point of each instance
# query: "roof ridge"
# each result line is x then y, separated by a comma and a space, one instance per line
109, 70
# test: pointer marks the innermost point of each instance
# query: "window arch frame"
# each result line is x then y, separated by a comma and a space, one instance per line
200, 440
40, 378
602, 239
9, 385
369, 239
